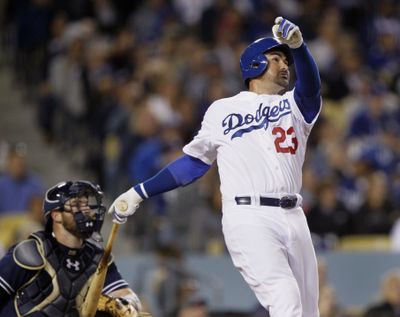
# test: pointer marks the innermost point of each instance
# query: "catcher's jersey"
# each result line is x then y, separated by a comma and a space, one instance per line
13, 276
259, 142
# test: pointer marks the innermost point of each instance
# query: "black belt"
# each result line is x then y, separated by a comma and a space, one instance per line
286, 202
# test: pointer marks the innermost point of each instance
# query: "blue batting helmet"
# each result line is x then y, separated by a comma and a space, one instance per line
253, 61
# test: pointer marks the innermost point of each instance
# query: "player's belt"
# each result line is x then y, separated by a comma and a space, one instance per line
286, 202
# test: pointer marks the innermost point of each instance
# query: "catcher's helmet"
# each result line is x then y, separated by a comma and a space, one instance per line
253, 61
58, 195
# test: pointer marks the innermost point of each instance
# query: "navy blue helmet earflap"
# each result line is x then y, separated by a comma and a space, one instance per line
253, 61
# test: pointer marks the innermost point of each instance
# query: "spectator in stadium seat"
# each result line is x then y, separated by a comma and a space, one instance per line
389, 304
195, 306
377, 214
329, 215
18, 184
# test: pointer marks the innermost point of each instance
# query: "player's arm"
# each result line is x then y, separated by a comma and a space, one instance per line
12, 276
199, 155
6, 290
307, 91
4, 294
116, 295
180, 172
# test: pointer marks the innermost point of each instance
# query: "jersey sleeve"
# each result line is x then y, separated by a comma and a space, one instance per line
307, 91
114, 280
297, 112
12, 276
203, 146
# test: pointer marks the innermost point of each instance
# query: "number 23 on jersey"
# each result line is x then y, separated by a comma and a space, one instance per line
285, 141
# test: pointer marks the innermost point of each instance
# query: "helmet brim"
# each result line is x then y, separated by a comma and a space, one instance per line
284, 49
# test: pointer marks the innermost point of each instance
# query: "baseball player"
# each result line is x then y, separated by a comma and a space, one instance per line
258, 139
49, 273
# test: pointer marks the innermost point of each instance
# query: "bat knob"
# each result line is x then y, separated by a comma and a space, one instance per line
122, 205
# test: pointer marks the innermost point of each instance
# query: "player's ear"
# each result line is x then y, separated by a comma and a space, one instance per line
56, 216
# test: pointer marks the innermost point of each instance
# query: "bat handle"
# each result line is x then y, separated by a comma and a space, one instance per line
93, 295
110, 242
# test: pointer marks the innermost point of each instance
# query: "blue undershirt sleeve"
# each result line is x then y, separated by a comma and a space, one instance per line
307, 91
180, 172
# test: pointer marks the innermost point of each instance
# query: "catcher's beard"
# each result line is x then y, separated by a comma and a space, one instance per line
70, 225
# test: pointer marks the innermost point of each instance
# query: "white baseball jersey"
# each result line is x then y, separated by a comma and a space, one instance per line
260, 142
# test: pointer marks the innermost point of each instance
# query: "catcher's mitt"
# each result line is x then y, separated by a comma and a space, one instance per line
117, 307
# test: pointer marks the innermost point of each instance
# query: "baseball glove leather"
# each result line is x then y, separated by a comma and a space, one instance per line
116, 307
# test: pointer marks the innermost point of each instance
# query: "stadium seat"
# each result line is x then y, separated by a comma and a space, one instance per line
364, 243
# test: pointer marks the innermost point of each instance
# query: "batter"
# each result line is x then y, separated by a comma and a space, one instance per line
258, 139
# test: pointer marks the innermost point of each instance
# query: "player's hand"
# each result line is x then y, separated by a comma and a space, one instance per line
126, 308
125, 205
117, 306
286, 32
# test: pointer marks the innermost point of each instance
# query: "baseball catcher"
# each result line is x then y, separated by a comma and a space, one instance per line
48, 275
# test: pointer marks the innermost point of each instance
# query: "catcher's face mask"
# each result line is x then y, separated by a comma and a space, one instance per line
83, 200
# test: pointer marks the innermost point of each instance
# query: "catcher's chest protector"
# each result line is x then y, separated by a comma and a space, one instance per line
55, 289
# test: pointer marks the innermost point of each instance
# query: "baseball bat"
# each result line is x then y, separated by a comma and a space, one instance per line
89, 306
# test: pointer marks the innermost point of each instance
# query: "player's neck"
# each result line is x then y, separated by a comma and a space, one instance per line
265, 87
66, 238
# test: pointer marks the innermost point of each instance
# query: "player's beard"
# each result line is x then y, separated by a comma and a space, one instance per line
70, 225
283, 79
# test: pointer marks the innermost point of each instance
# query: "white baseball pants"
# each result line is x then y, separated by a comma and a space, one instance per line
272, 249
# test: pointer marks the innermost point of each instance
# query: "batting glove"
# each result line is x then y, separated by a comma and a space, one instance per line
286, 32
125, 205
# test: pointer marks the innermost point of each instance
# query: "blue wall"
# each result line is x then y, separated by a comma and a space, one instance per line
355, 275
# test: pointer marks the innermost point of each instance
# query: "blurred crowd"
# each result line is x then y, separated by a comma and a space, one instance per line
120, 86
